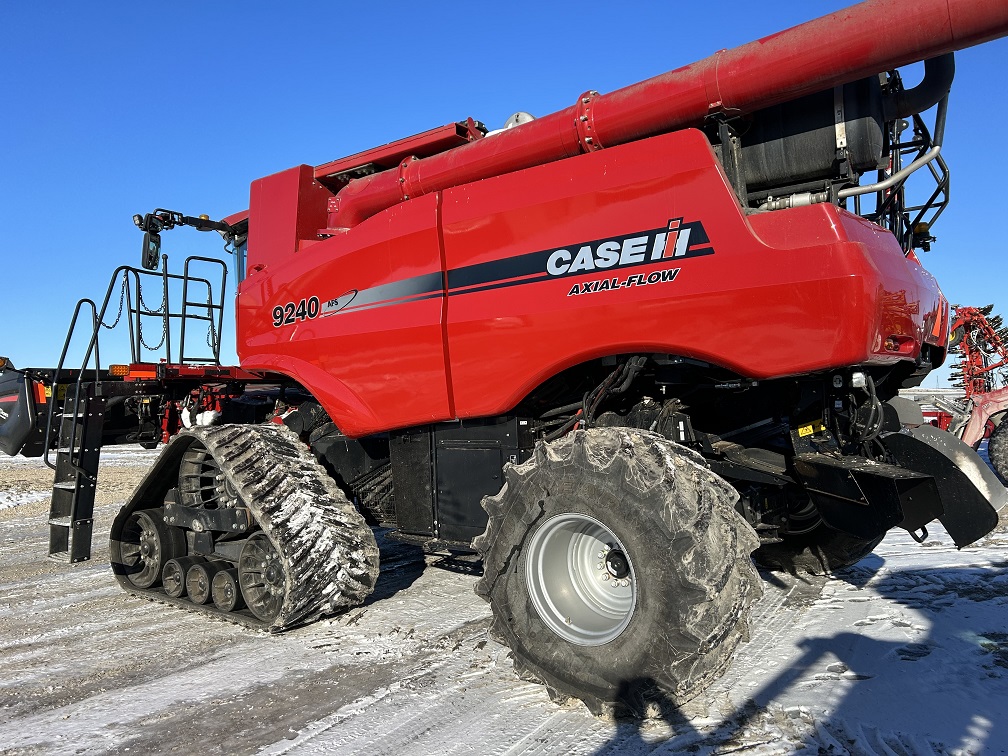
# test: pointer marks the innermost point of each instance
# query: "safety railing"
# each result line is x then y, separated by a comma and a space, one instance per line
200, 303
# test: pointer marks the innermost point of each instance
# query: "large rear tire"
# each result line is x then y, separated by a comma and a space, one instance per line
617, 569
997, 450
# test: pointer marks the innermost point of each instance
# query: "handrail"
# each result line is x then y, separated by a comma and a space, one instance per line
47, 446
135, 311
215, 333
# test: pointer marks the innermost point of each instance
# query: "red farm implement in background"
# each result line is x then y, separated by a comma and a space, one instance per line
976, 412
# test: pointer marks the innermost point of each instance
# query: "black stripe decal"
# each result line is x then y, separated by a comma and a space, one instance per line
407, 287
526, 268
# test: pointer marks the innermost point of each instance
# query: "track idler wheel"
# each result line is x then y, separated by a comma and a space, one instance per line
173, 578
199, 580
261, 577
226, 592
147, 544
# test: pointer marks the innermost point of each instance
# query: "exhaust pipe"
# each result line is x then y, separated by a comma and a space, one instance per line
937, 81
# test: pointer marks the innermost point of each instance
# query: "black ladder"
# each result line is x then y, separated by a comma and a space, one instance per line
71, 514
82, 418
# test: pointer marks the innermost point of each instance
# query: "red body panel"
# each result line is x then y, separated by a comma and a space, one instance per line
770, 295
370, 361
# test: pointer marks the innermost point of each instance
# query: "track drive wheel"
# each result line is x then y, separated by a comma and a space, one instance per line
617, 569
997, 450
261, 577
147, 543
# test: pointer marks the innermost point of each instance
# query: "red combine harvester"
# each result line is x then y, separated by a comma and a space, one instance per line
491, 342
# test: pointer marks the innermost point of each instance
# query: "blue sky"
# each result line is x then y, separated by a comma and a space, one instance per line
111, 109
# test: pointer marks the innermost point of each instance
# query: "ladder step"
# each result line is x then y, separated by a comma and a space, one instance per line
60, 556
63, 522
67, 485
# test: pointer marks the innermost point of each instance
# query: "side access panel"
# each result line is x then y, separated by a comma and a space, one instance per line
357, 317
442, 473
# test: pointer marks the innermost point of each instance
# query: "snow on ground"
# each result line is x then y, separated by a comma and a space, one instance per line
905, 653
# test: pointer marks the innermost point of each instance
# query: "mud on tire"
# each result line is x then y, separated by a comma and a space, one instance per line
678, 564
997, 450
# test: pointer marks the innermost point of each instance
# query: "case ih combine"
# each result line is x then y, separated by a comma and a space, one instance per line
616, 351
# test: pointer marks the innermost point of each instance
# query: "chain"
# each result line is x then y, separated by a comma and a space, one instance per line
122, 297
161, 307
164, 333
210, 327
159, 311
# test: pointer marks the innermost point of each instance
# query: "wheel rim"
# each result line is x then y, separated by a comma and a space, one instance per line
581, 580
202, 482
197, 583
802, 518
143, 549
261, 577
173, 579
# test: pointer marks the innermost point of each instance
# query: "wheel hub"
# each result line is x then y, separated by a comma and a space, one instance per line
261, 578
273, 573
145, 544
617, 564
580, 579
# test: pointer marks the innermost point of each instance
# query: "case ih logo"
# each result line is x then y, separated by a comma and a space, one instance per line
676, 241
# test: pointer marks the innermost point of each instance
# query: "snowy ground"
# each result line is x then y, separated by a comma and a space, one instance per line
905, 653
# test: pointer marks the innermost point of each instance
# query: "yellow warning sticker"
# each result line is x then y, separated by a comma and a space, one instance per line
807, 430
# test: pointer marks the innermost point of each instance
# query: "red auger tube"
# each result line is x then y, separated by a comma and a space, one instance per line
775, 69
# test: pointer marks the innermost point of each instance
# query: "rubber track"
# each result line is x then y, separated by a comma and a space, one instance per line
329, 554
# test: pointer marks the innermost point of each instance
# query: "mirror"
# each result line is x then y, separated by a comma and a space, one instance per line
151, 251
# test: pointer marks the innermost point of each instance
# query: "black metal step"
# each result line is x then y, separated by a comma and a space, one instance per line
72, 507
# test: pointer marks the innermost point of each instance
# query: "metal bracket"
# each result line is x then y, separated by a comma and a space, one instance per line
585, 125
225, 519
839, 119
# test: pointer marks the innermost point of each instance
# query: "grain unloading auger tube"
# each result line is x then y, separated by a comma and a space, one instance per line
776, 69
241, 522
